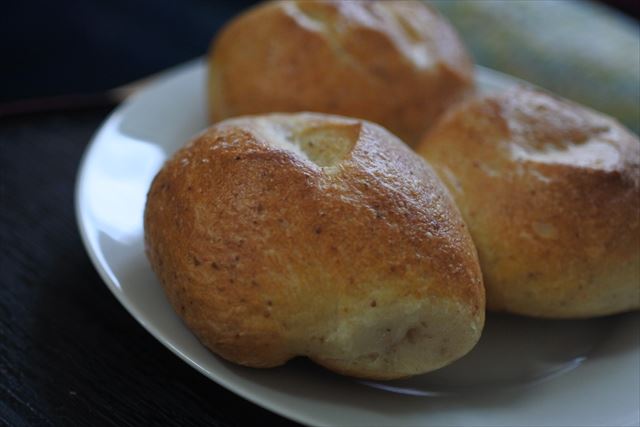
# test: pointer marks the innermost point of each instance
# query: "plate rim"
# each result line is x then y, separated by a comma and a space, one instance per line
101, 265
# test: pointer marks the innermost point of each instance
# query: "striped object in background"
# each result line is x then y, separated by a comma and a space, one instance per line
580, 50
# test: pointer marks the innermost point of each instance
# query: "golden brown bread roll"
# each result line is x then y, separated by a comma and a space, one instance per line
307, 234
397, 63
551, 193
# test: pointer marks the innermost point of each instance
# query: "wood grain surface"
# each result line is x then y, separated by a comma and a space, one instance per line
70, 354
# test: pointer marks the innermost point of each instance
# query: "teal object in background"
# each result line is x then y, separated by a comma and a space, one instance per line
578, 49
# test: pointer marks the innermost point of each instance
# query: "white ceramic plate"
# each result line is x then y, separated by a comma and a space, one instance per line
524, 372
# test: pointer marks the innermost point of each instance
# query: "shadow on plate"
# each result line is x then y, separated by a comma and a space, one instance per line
514, 354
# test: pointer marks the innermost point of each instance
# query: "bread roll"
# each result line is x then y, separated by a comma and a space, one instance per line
312, 235
397, 63
551, 193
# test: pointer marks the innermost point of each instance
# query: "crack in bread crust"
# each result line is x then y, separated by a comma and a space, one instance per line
266, 254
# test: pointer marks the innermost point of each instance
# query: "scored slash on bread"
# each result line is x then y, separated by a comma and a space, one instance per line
396, 63
550, 191
313, 235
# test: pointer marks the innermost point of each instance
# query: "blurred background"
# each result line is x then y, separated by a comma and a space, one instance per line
588, 51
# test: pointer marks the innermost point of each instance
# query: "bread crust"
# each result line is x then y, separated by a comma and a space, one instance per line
268, 247
551, 193
396, 63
